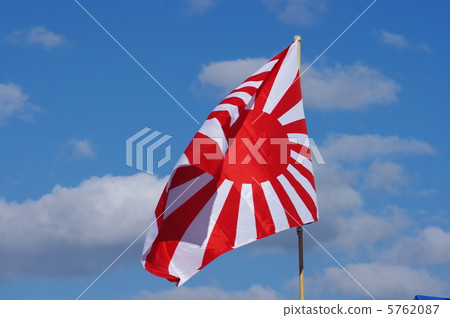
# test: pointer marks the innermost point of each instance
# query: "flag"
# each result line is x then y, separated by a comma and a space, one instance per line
246, 174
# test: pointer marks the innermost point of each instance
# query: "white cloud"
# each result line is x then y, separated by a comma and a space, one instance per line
427, 192
44, 37
75, 230
39, 36
341, 147
198, 6
396, 40
338, 233
351, 87
14, 102
357, 231
219, 78
345, 223
424, 47
430, 247
81, 148
298, 12
381, 280
385, 175
335, 188
210, 293
399, 41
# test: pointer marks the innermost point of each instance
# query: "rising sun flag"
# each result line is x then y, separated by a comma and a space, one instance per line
246, 174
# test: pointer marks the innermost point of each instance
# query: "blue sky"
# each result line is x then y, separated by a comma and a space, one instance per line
377, 106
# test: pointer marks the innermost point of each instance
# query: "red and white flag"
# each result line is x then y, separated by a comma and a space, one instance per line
246, 174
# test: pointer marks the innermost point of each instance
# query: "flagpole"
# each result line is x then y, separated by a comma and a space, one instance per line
300, 263
299, 228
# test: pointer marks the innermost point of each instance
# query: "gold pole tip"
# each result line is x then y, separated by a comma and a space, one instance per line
298, 38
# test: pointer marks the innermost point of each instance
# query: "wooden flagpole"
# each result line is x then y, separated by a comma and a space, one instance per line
299, 228
300, 262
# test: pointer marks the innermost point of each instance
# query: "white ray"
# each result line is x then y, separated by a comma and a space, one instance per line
251, 103
233, 110
177, 198
183, 161
301, 139
189, 253
293, 114
304, 182
266, 67
286, 75
254, 84
275, 207
152, 233
301, 159
213, 129
244, 96
300, 206
246, 224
